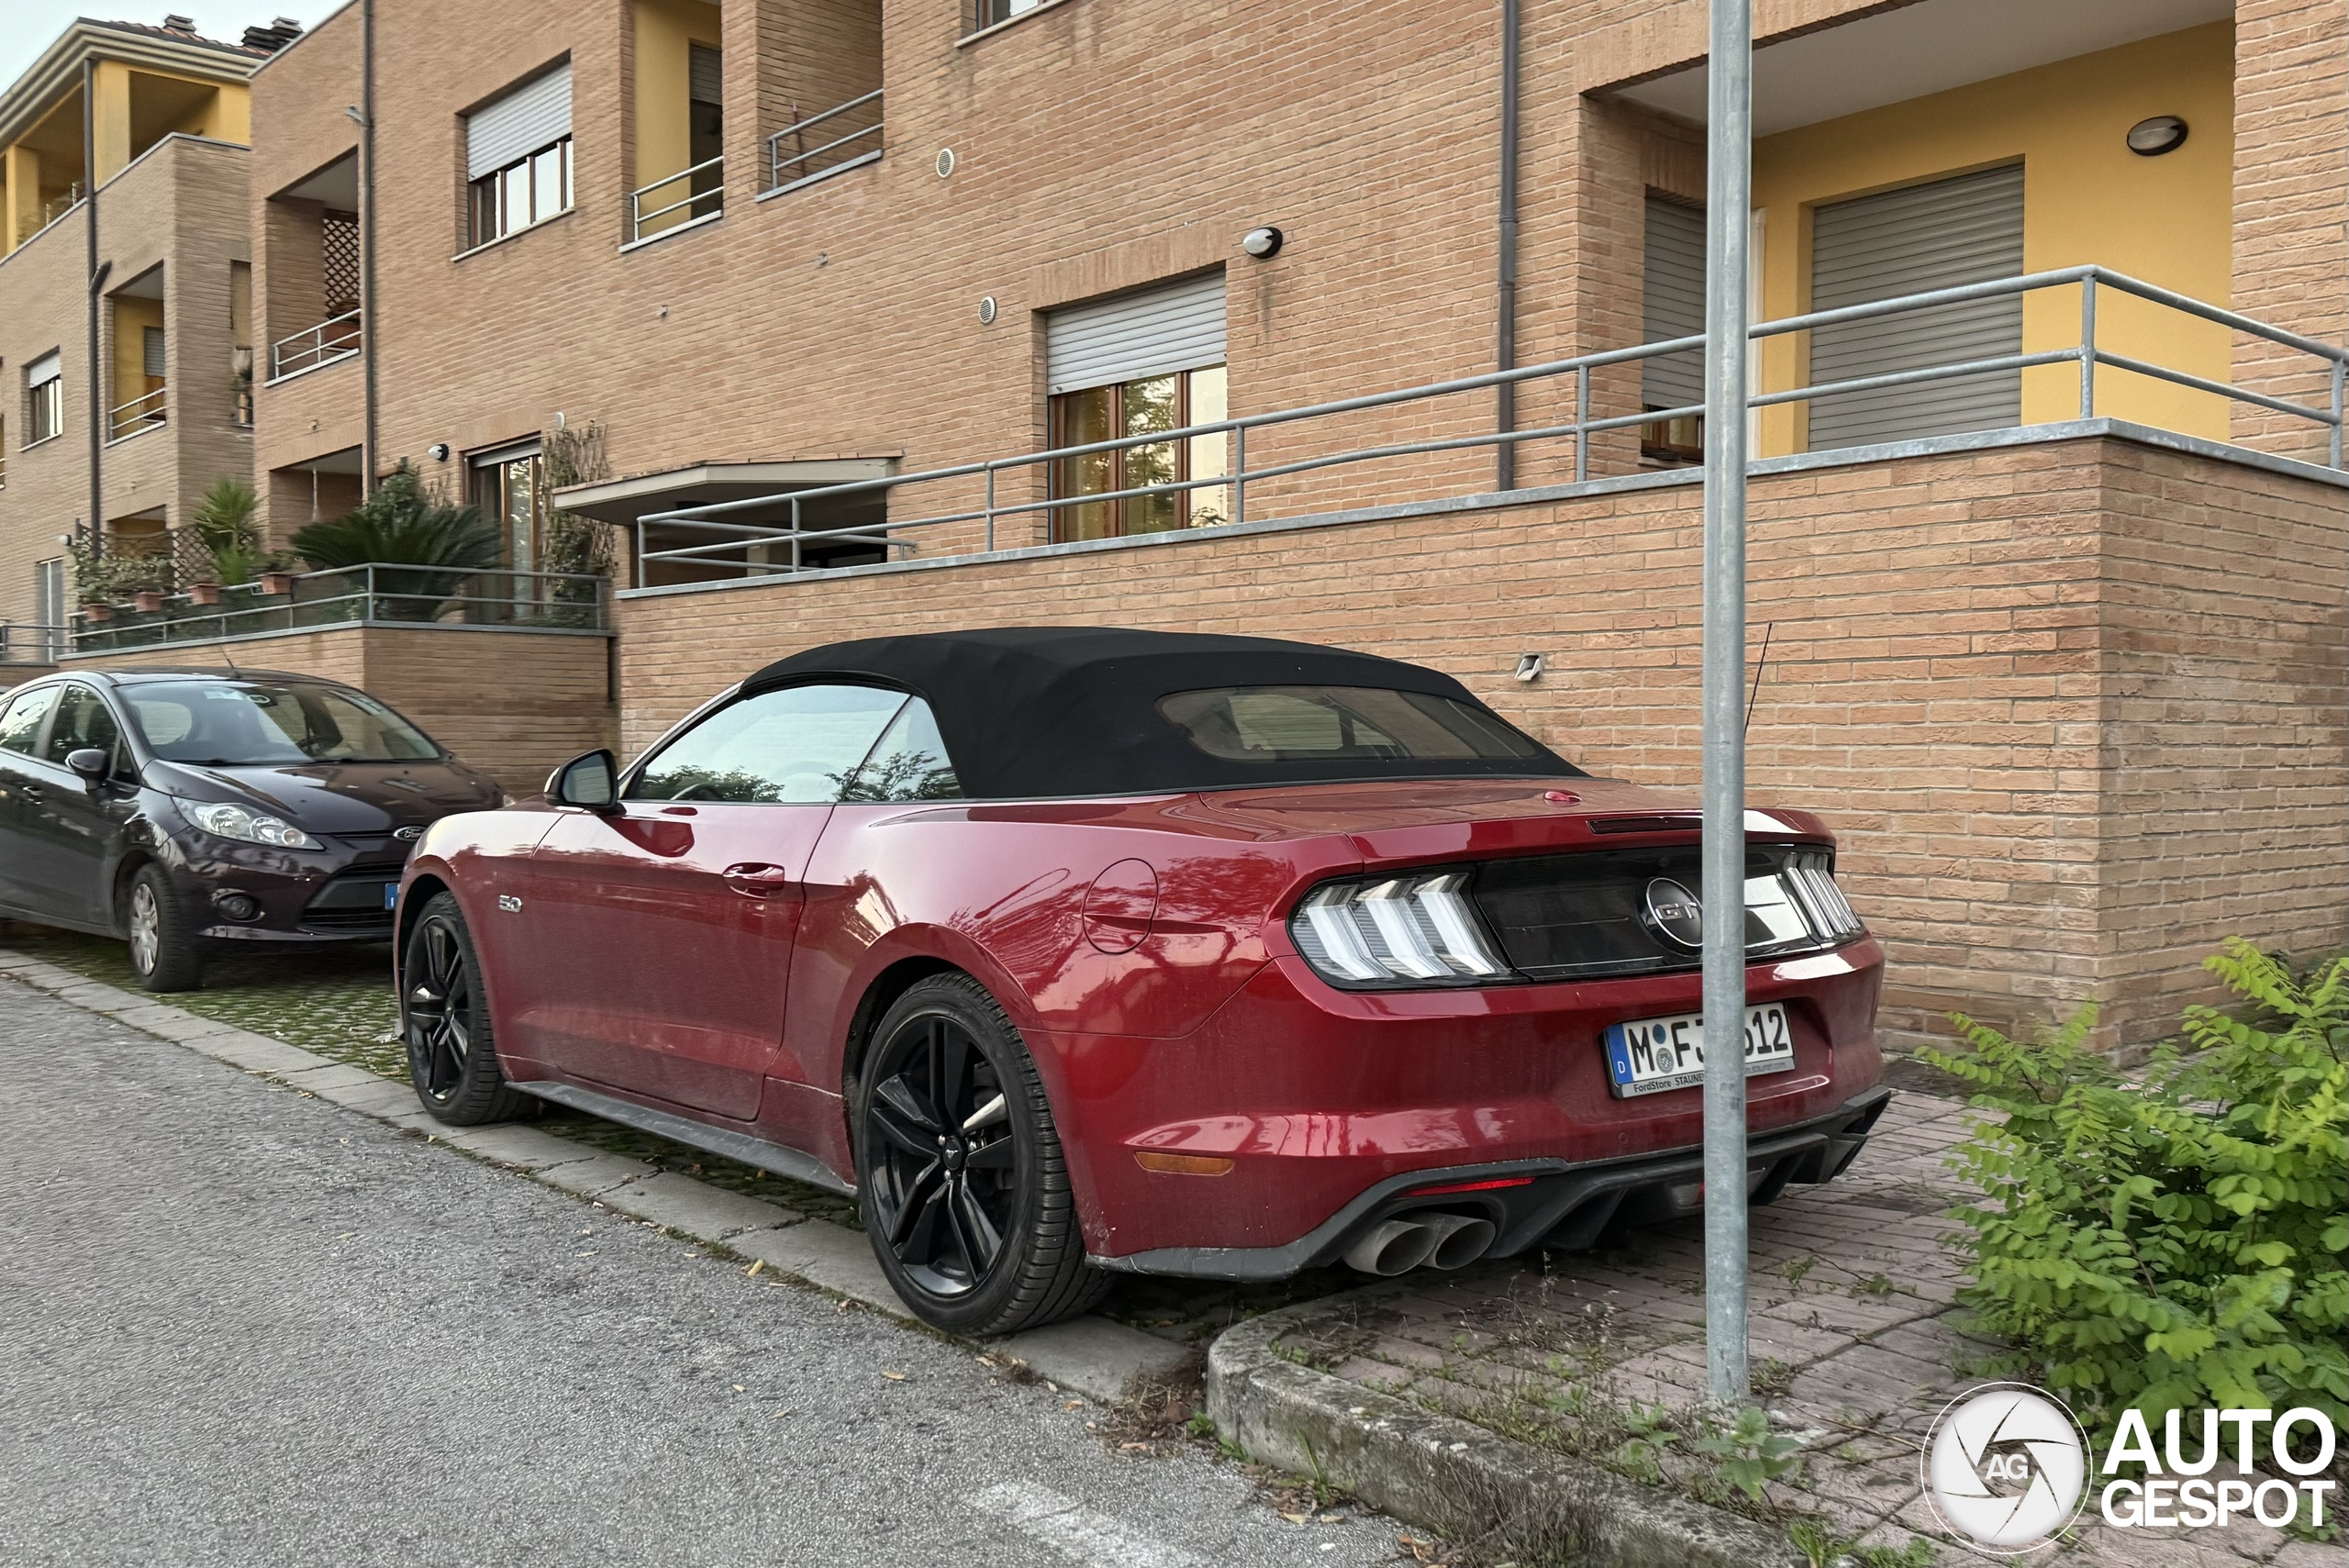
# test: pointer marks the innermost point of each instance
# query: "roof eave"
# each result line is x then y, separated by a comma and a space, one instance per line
58, 71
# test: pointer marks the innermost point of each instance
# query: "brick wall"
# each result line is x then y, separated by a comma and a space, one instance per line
2074, 708
513, 704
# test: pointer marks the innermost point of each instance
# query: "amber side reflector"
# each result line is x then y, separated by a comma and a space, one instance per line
1474, 1186
1183, 1165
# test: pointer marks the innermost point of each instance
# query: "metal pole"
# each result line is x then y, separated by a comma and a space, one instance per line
1238, 475
1581, 417
1728, 196
2088, 348
1505, 349
371, 325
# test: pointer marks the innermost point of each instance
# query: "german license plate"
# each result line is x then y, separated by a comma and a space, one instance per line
1648, 1056
391, 894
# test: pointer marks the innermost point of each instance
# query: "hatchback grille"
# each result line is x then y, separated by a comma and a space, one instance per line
1574, 917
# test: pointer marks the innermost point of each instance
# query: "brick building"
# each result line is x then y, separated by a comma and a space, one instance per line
141, 132
2058, 645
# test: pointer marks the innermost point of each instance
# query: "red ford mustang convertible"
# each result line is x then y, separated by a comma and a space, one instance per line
1072, 951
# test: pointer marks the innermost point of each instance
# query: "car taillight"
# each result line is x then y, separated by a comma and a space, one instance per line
1412, 929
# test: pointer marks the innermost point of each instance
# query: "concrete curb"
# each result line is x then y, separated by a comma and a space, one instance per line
1091, 1356
1458, 1478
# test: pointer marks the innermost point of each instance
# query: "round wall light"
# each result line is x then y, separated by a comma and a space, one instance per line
1261, 243
986, 311
439, 451
2163, 133
945, 161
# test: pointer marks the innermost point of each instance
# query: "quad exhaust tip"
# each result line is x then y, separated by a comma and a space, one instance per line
1398, 1246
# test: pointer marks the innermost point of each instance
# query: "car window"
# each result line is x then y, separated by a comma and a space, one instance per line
20, 725
797, 744
909, 763
1290, 724
82, 720
256, 723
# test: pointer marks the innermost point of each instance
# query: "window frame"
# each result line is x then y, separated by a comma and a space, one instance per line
1063, 518
489, 194
46, 395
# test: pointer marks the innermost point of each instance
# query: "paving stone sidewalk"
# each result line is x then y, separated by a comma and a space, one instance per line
1857, 1345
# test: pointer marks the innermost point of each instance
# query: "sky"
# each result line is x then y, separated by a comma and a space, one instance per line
28, 26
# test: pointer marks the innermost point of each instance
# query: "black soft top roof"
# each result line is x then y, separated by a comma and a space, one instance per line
1042, 711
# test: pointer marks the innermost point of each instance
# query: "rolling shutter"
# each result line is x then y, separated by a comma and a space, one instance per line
532, 116
1177, 327
706, 68
1961, 230
151, 351
44, 370
1675, 294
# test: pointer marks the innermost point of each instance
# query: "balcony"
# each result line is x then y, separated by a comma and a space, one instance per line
677, 202
136, 417
843, 140
337, 338
30, 643
374, 594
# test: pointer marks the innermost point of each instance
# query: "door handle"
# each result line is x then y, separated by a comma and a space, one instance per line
756, 879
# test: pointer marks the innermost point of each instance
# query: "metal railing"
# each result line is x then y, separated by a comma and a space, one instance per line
30, 642
801, 165
708, 201
139, 414
380, 593
336, 338
1240, 476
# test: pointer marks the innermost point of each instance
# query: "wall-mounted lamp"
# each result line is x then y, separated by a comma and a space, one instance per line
2163, 133
1261, 243
1529, 667
439, 451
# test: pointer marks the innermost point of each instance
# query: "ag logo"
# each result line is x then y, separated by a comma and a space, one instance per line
2006, 1466
1674, 914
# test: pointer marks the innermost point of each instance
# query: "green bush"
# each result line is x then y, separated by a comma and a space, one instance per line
225, 525
399, 524
2174, 1241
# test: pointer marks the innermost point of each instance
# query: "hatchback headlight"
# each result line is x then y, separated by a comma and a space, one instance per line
247, 825
1412, 929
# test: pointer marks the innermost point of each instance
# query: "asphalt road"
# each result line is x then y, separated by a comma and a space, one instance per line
241, 1325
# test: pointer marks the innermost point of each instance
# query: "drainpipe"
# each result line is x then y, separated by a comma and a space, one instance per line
1505, 347
90, 273
369, 325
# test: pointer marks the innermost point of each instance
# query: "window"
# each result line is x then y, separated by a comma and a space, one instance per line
44, 399
909, 763
82, 720
1305, 724
240, 337
798, 745
256, 723
20, 721
518, 158
48, 605
990, 12
1674, 306
1133, 365
509, 488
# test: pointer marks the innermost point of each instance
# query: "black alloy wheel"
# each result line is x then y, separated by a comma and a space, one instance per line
960, 1172
451, 1048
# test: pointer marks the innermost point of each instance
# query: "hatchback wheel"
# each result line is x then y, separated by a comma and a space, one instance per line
959, 1175
451, 1048
165, 951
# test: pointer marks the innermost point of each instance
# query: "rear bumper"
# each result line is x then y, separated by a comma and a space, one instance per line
1557, 1203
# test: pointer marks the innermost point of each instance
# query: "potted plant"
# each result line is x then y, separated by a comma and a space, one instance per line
434, 548
147, 601
97, 611
225, 527
275, 573
204, 593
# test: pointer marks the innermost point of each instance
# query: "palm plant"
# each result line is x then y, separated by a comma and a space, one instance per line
224, 525
402, 526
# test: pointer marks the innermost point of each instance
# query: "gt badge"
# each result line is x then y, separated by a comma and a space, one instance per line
508, 905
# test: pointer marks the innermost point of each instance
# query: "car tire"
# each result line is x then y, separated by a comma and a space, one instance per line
974, 1225
444, 1019
165, 952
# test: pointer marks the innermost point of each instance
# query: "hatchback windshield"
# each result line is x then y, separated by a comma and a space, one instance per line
254, 723
1304, 724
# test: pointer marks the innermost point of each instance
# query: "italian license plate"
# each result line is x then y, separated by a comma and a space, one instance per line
391, 894
1648, 1056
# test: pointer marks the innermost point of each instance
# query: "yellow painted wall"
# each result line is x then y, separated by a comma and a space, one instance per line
2167, 220
21, 217
110, 126
132, 315
666, 31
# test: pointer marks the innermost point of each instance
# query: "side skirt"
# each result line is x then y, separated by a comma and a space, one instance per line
755, 1151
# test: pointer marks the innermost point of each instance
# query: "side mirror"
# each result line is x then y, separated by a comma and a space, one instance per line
92, 764
590, 781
